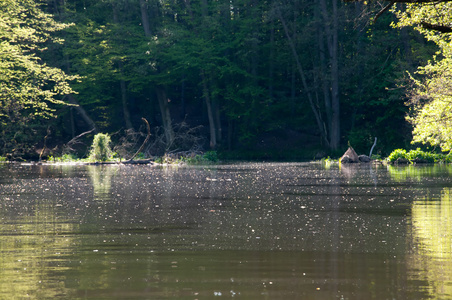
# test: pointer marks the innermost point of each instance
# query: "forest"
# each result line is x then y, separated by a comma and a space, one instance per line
288, 79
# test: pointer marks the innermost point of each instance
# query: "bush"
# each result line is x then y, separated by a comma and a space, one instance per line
100, 149
63, 158
448, 158
211, 156
398, 155
191, 158
420, 156
417, 156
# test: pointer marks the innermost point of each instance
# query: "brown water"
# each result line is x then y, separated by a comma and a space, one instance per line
247, 231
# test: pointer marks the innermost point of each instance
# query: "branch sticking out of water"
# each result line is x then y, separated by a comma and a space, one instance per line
372, 149
145, 141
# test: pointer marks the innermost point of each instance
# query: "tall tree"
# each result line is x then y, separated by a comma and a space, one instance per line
30, 90
431, 96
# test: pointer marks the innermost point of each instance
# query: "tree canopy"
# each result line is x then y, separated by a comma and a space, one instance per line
431, 96
29, 88
253, 76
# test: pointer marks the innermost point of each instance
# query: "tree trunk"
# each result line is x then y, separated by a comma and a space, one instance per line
71, 112
160, 91
323, 66
166, 116
218, 128
271, 66
318, 117
125, 107
82, 112
335, 133
210, 113
190, 12
145, 18
331, 32
122, 83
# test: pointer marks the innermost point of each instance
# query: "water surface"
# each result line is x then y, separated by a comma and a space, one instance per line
249, 231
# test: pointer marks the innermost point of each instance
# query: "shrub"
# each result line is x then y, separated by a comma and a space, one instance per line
206, 158
211, 156
448, 158
63, 158
398, 155
100, 149
417, 156
420, 156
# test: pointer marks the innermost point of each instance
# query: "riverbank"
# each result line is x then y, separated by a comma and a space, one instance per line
398, 156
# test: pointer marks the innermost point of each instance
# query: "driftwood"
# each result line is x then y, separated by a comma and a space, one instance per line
144, 143
373, 146
138, 162
74, 140
127, 162
45, 144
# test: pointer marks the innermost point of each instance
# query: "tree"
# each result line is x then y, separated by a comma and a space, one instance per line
30, 90
299, 71
431, 95
433, 22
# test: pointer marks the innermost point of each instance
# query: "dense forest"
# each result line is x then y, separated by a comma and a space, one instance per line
252, 79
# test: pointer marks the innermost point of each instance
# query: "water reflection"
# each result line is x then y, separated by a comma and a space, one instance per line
101, 177
431, 225
35, 245
256, 231
403, 173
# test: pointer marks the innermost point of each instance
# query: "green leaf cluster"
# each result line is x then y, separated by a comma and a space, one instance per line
229, 67
100, 148
397, 155
431, 95
30, 90
417, 156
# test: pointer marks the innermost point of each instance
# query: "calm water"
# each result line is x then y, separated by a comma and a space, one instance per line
247, 231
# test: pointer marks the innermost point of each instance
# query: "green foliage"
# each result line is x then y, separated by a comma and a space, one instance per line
418, 156
208, 157
397, 155
211, 156
140, 155
159, 160
430, 96
63, 158
30, 89
447, 158
238, 55
376, 157
100, 149
328, 162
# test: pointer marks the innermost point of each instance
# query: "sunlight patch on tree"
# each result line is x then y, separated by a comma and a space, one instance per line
431, 96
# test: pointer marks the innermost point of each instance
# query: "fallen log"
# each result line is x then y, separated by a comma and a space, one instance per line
138, 162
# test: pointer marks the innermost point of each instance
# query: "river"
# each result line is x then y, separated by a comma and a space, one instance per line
238, 230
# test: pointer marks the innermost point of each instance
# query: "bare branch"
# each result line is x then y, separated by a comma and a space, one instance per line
440, 28
384, 9
145, 141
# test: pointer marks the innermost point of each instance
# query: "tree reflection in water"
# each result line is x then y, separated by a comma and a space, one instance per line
431, 226
241, 230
